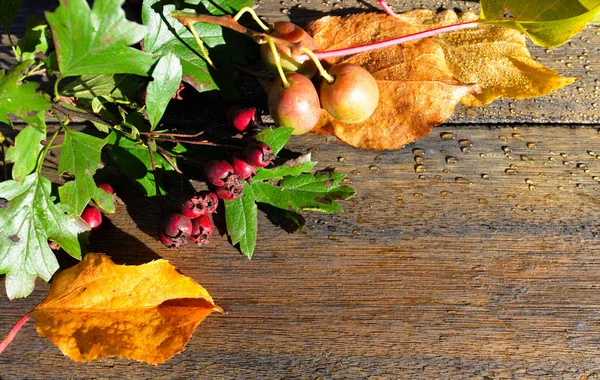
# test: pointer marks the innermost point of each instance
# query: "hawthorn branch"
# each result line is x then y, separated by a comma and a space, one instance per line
72, 113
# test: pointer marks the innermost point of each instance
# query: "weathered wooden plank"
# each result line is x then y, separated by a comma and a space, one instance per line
419, 277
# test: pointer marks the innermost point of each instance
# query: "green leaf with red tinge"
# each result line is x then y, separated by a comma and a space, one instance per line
166, 78
98, 40
21, 99
169, 35
80, 156
548, 23
30, 219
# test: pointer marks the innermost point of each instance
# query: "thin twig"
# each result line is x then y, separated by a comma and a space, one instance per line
69, 112
155, 134
167, 157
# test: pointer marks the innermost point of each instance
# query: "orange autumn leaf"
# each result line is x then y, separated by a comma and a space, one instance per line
146, 312
422, 81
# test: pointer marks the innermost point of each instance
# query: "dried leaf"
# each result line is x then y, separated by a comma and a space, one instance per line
416, 88
495, 58
421, 82
146, 312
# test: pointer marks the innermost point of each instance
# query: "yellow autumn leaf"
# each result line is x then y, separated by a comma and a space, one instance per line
98, 308
495, 58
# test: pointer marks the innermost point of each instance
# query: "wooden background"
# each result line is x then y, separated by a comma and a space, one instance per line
485, 265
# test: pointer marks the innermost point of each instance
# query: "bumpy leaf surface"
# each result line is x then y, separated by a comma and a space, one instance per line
549, 23
420, 82
28, 222
146, 312
97, 41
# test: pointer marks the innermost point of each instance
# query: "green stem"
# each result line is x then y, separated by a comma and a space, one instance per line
56, 95
190, 26
320, 67
254, 16
277, 59
47, 147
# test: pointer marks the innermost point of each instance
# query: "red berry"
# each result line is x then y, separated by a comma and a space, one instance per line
243, 118
201, 203
92, 216
218, 172
176, 226
242, 168
107, 187
202, 229
259, 154
168, 241
229, 193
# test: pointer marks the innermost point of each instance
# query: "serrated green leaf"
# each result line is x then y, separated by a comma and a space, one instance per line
242, 223
21, 99
80, 156
34, 41
28, 222
166, 80
275, 138
121, 88
97, 41
549, 23
8, 11
316, 192
134, 160
292, 168
169, 35
25, 153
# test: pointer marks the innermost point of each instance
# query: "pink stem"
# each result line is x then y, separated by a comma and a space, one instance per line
387, 8
391, 42
14, 331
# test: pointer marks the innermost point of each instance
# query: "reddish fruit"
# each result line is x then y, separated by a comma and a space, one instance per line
92, 216
219, 173
242, 168
293, 33
107, 187
243, 118
353, 95
229, 193
296, 105
176, 226
202, 229
201, 203
170, 242
259, 154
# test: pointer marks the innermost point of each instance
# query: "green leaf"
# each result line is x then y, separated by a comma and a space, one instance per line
34, 41
25, 153
305, 192
21, 99
295, 167
166, 80
80, 156
549, 23
275, 138
8, 11
28, 222
242, 222
97, 41
169, 35
134, 160
121, 88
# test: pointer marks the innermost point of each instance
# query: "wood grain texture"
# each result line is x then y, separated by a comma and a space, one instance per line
471, 253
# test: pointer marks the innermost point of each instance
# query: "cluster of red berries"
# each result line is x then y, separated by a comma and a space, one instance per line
191, 221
